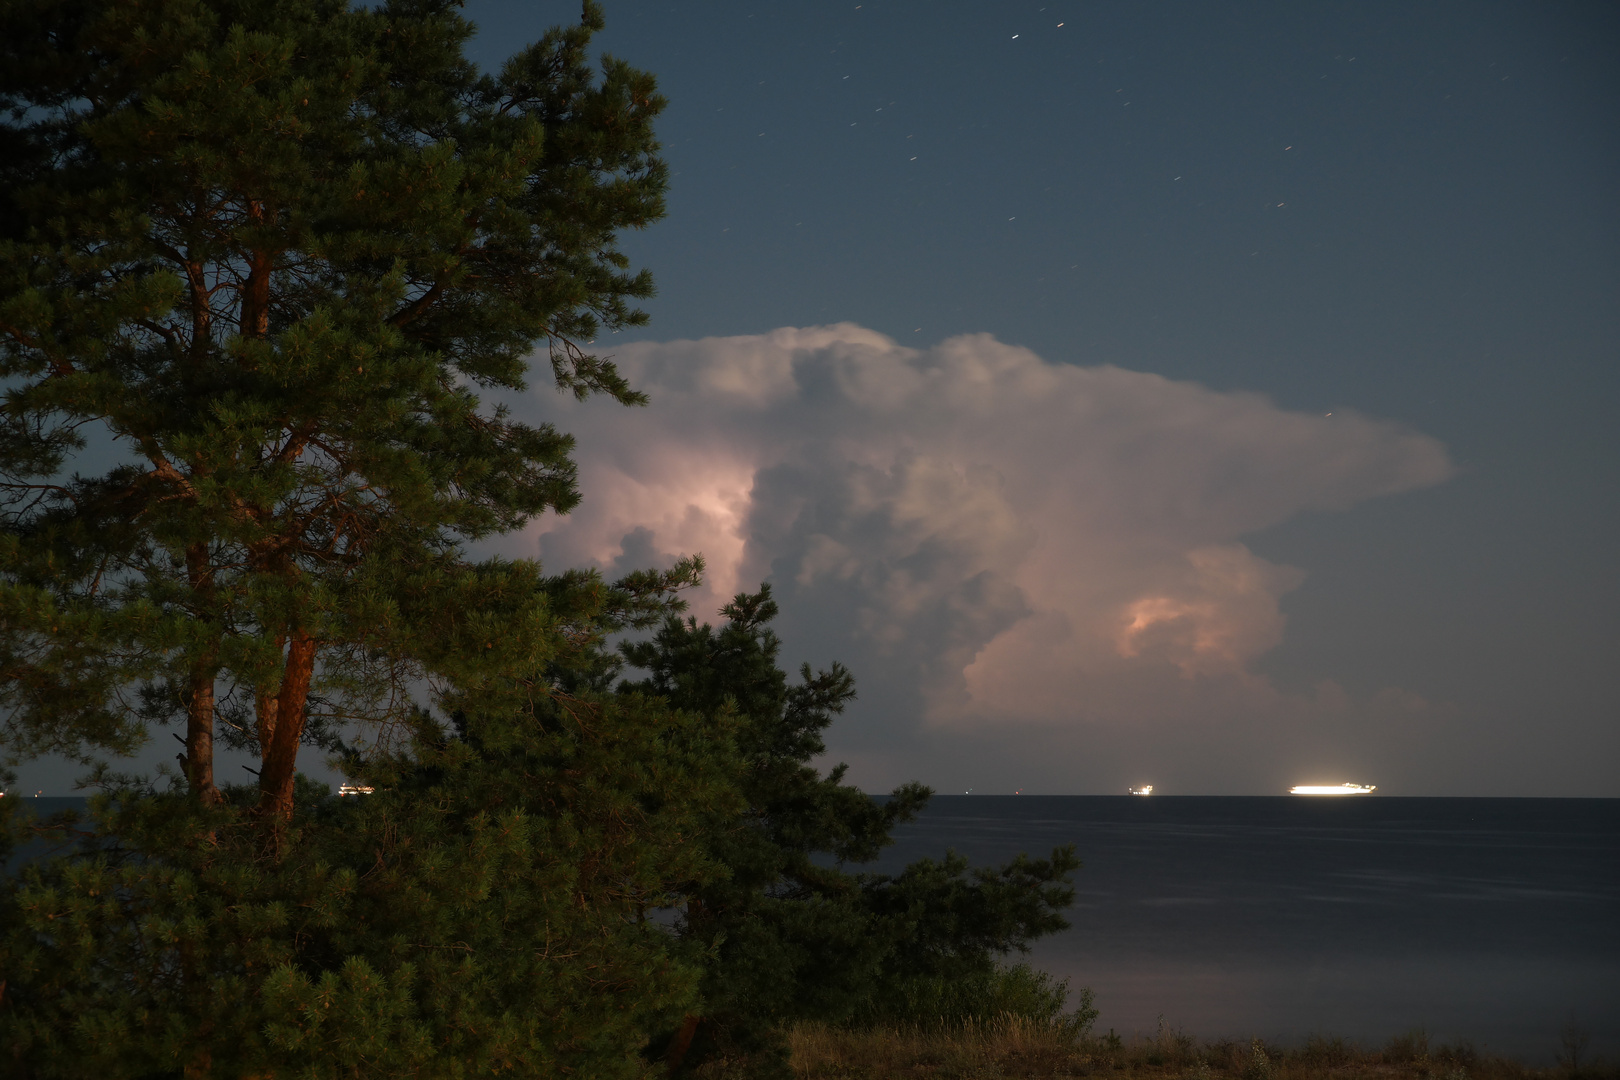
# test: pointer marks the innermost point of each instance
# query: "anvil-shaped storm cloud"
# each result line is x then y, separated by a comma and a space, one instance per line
992, 541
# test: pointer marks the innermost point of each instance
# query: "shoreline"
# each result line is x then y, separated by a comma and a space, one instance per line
1015, 1048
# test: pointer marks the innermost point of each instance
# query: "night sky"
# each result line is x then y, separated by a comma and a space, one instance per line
1056, 477
1216, 396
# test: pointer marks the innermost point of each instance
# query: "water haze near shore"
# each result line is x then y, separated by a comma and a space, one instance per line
1487, 920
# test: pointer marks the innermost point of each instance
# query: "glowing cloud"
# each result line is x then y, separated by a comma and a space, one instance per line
999, 537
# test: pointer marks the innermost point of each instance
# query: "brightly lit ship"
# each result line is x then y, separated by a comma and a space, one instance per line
1331, 789
1145, 789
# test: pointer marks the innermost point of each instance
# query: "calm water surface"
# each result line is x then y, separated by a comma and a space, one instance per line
1486, 920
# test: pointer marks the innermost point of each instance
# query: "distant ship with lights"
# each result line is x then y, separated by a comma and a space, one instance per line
1145, 789
1332, 789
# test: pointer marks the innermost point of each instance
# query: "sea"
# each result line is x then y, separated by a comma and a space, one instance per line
1492, 922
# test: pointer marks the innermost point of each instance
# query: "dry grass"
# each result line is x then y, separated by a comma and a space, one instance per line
1017, 1048
1010, 1047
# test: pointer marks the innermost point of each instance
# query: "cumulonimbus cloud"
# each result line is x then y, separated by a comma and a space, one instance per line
1002, 538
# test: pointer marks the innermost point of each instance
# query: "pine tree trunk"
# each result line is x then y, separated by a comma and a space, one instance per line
675, 1056
199, 757
279, 738
255, 297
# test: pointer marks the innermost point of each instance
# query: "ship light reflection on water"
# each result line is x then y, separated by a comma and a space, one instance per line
1331, 789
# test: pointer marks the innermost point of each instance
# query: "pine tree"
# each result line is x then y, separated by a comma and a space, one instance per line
789, 932
485, 912
266, 269
261, 261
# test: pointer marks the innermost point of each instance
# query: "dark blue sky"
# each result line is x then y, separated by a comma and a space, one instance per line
1404, 210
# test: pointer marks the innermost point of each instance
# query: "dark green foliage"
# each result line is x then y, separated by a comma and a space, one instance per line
1013, 990
484, 913
268, 255
955, 922
792, 934
266, 268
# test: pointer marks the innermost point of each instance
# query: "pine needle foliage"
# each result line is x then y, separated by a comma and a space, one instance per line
262, 262
267, 269
790, 932
486, 912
